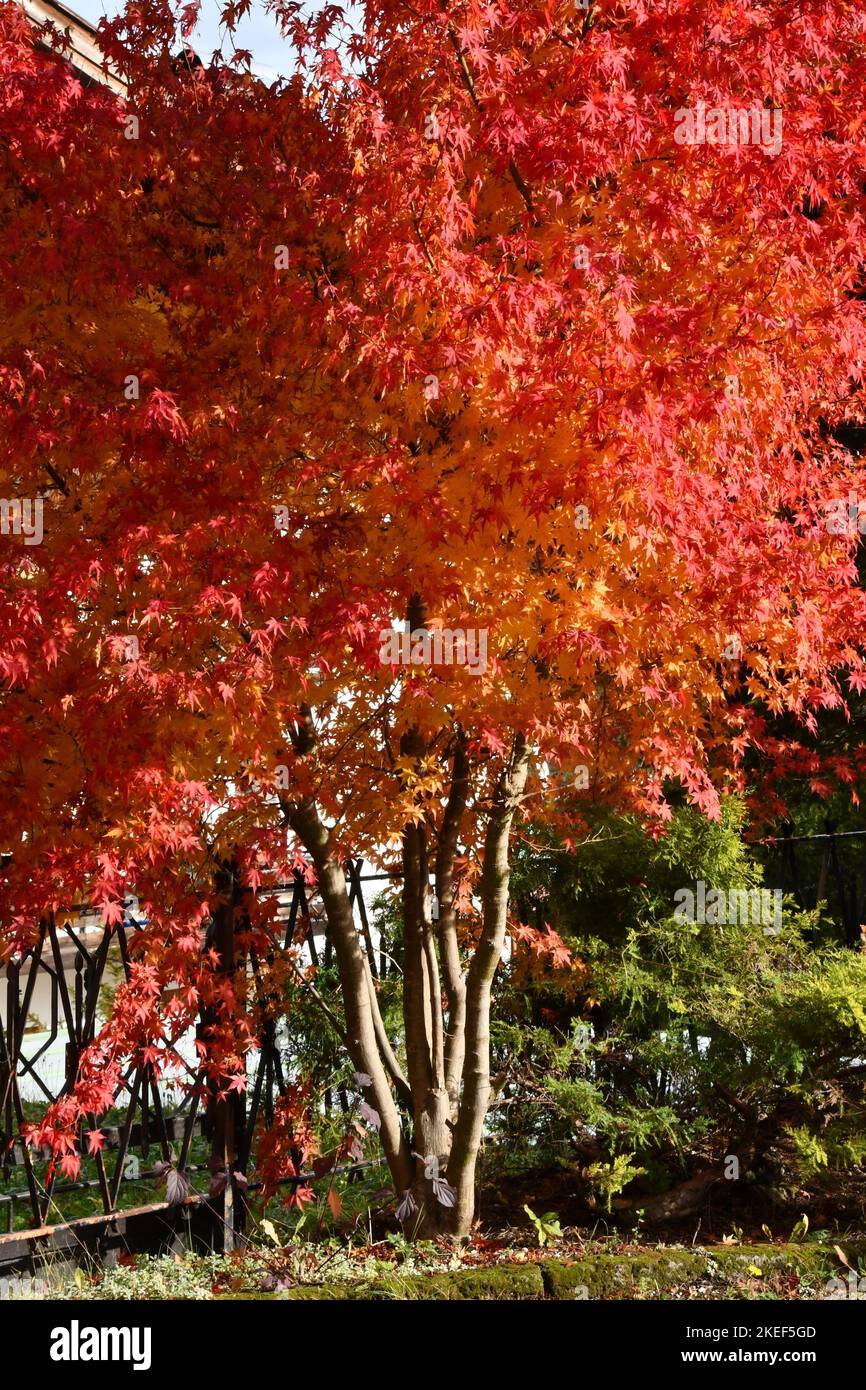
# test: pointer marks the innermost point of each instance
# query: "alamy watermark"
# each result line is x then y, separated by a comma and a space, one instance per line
438, 646
846, 517
577, 777
725, 907
77, 1343
22, 516
730, 125
27, 1287
852, 1287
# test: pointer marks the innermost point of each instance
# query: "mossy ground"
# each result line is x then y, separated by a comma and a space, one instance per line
744, 1272
570, 1270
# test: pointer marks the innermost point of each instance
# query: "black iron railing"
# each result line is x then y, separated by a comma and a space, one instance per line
66, 977
823, 868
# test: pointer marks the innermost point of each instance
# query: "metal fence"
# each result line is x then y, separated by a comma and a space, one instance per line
53, 1000
824, 868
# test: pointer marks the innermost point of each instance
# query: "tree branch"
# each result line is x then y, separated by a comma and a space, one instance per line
360, 1005
494, 896
389, 1059
469, 84
455, 980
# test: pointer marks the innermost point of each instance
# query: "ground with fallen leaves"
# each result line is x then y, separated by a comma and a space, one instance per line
504, 1267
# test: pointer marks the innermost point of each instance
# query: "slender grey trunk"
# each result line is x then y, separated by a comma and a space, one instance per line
358, 1003
425, 1035
476, 1068
447, 1083
454, 978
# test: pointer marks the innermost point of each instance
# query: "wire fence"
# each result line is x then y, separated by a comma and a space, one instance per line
52, 1002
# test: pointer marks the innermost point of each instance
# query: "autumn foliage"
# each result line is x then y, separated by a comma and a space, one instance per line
446, 327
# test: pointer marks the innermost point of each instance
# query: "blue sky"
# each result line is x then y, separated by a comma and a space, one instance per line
258, 32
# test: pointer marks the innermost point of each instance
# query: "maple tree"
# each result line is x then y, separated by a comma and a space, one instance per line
447, 328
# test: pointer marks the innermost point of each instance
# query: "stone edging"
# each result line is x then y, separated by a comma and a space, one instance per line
649, 1273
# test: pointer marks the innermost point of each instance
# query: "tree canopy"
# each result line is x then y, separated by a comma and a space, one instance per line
452, 329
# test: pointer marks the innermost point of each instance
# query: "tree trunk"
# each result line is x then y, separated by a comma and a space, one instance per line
476, 1069
425, 1034
225, 1115
447, 1086
454, 978
358, 1003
